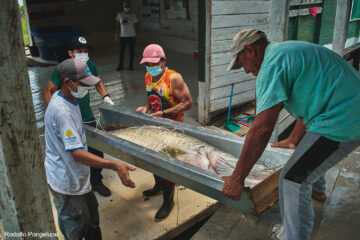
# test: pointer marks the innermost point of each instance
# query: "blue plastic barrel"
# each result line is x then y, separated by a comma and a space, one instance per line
52, 41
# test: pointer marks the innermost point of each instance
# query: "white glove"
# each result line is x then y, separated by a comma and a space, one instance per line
108, 100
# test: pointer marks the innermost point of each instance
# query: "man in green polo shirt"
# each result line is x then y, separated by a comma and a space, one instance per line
77, 48
318, 88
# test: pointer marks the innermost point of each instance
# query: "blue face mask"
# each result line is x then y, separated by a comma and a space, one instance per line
154, 71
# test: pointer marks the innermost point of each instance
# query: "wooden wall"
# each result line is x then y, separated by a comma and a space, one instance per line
328, 22
227, 19
319, 29
308, 27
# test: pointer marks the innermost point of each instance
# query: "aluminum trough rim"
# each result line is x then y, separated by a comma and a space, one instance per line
190, 176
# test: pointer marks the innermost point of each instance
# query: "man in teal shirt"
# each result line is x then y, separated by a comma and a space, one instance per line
319, 89
77, 48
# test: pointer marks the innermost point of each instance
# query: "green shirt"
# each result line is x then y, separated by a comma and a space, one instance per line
315, 85
84, 103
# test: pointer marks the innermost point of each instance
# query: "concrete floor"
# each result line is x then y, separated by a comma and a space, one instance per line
337, 218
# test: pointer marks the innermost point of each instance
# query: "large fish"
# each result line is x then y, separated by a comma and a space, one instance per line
188, 149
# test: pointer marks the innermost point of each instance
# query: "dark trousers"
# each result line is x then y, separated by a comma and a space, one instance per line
78, 215
124, 41
95, 173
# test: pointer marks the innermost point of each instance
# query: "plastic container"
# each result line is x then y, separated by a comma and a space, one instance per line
52, 41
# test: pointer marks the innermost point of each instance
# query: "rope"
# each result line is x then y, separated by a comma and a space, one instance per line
177, 203
98, 123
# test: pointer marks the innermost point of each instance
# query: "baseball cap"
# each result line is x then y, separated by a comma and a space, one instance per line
77, 42
241, 39
152, 53
75, 69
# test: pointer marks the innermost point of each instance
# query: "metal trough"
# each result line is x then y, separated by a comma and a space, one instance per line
200, 180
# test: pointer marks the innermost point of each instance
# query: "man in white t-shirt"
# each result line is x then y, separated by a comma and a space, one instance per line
67, 161
126, 28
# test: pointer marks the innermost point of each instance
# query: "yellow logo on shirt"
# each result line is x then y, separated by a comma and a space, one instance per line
68, 133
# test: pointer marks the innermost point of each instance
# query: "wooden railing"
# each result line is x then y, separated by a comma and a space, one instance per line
353, 53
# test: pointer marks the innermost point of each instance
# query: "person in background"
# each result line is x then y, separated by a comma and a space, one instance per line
167, 96
67, 160
127, 28
78, 49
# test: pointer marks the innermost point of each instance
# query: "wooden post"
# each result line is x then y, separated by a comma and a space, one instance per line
204, 60
341, 25
278, 31
278, 20
24, 197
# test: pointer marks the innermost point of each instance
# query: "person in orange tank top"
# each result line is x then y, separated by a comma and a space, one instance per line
167, 96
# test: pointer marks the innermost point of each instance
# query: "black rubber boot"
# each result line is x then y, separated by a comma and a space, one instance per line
168, 204
102, 189
156, 189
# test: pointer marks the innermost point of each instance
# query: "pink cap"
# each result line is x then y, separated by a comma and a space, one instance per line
152, 54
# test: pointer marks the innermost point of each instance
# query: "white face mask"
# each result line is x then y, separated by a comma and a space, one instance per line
81, 92
82, 56
126, 10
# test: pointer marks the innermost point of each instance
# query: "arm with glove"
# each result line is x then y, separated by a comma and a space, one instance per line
100, 87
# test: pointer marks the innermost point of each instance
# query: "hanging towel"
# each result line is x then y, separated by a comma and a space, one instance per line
313, 11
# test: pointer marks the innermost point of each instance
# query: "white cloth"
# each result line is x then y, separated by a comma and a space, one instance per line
64, 132
127, 24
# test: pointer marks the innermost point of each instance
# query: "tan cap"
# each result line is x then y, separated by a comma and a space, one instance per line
241, 39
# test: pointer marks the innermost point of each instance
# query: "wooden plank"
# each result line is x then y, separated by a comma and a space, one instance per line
261, 190
225, 91
304, 2
223, 103
341, 25
244, 19
220, 55
191, 222
204, 61
302, 12
278, 20
239, 7
221, 46
266, 202
283, 122
220, 58
226, 80
220, 70
229, 33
